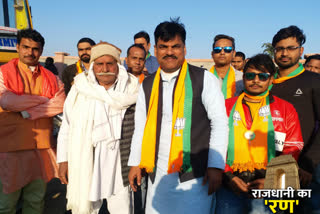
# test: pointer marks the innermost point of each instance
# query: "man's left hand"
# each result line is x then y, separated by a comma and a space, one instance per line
214, 178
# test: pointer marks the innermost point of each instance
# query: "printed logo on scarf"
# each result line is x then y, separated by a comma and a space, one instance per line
236, 117
180, 123
264, 112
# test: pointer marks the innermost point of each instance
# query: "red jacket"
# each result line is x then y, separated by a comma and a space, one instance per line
285, 119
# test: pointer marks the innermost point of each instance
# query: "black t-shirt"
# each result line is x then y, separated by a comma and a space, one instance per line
303, 92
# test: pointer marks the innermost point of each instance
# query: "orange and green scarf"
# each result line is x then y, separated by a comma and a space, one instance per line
293, 74
243, 154
79, 68
179, 159
148, 55
228, 83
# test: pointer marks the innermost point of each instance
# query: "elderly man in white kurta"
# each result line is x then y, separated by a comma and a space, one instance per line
180, 135
88, 142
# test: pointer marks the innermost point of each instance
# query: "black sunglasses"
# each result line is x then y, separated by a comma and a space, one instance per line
227, 49
251, 76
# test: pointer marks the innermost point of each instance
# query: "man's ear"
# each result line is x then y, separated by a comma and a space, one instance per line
125, 59
271, 80
301, 51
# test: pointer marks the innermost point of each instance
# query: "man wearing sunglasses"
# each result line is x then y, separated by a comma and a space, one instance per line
261, 126
302, 89
222, 54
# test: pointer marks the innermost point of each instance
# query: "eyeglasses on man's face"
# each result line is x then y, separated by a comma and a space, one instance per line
289, 49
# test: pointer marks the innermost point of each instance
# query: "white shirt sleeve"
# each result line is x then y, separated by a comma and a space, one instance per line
214, 103
140, 118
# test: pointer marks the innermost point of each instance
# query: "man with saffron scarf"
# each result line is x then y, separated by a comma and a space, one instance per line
180, 135
261, 126
82, 65
30, 96
95, 135
223, 50
135, 60
301, 88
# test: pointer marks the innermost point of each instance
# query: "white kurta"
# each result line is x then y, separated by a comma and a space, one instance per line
89, 141
167, 194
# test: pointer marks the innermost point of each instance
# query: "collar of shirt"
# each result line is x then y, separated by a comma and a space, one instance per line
33, 69
169, 76
84, 68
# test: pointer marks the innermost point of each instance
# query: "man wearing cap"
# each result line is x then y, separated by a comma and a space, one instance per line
93, 144
82, 65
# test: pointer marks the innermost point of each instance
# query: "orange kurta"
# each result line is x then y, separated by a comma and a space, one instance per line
25, 145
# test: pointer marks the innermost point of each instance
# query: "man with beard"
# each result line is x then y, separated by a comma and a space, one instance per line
82, 65
223, 50
135, 60
301, 88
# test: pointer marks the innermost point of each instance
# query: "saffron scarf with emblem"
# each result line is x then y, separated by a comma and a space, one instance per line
243, 154
293, 74
179, 159
228, 83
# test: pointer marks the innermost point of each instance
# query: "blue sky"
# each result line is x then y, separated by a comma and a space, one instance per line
250, 22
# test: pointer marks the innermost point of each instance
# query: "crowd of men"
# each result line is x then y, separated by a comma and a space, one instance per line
157, 134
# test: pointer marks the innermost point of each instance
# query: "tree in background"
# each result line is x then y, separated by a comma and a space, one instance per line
268, 49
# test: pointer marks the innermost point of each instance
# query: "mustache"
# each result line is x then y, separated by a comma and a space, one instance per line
84, 55
255, 85
105, 74
30, 56
170, 56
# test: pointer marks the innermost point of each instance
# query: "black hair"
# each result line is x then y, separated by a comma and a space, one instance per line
316, 57
169, 30
142, 34
30, 34
291, 31
261, 62
222, 36
137, 46
49, 61
240, 54
88, 40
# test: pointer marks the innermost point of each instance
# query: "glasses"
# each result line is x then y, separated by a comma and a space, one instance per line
252, 76
289, 49
227, 49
